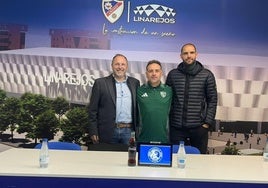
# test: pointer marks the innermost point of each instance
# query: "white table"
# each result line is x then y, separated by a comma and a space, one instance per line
106, 168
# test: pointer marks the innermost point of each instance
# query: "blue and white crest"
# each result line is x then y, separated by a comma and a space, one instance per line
155, 154
112, 9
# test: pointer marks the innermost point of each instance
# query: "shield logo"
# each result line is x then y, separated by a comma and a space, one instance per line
112, 9
163, 94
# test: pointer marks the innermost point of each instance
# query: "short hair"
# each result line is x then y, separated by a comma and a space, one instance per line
188, 44
153, 62
117, 55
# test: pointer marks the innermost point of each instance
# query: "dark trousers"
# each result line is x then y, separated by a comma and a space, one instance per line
197, 137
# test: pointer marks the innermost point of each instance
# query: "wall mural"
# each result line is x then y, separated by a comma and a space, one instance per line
58, 48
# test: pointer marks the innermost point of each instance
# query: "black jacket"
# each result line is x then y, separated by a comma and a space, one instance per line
194, 96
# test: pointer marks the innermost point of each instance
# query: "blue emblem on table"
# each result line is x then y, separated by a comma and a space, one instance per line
155, 154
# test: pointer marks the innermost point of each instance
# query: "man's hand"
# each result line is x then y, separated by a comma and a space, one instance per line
206, 126
95, 139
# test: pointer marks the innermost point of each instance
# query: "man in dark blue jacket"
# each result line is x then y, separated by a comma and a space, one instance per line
112, 107
194, 102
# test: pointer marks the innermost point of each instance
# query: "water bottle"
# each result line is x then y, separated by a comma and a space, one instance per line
265, 151
44, 155
132, 152
181, 156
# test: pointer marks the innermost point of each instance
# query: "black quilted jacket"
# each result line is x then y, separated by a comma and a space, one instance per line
194, 96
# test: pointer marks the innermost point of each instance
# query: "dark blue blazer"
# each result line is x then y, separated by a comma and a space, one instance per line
102, 107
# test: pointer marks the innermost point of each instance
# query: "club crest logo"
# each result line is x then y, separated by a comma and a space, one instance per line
155, 154
163, 94
112, 9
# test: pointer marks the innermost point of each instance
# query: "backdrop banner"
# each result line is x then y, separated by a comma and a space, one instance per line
58, 48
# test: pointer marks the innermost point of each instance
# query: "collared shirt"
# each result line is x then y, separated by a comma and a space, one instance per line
123, 103
154, 106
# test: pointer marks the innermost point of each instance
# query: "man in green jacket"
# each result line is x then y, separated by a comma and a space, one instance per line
154, 100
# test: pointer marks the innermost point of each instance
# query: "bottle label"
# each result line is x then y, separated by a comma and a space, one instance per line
44, 159
182, 161
131, 156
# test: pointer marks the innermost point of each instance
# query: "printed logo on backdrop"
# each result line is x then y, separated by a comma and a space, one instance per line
155, 14
112, 9
144, 14
83, 80
75, 87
